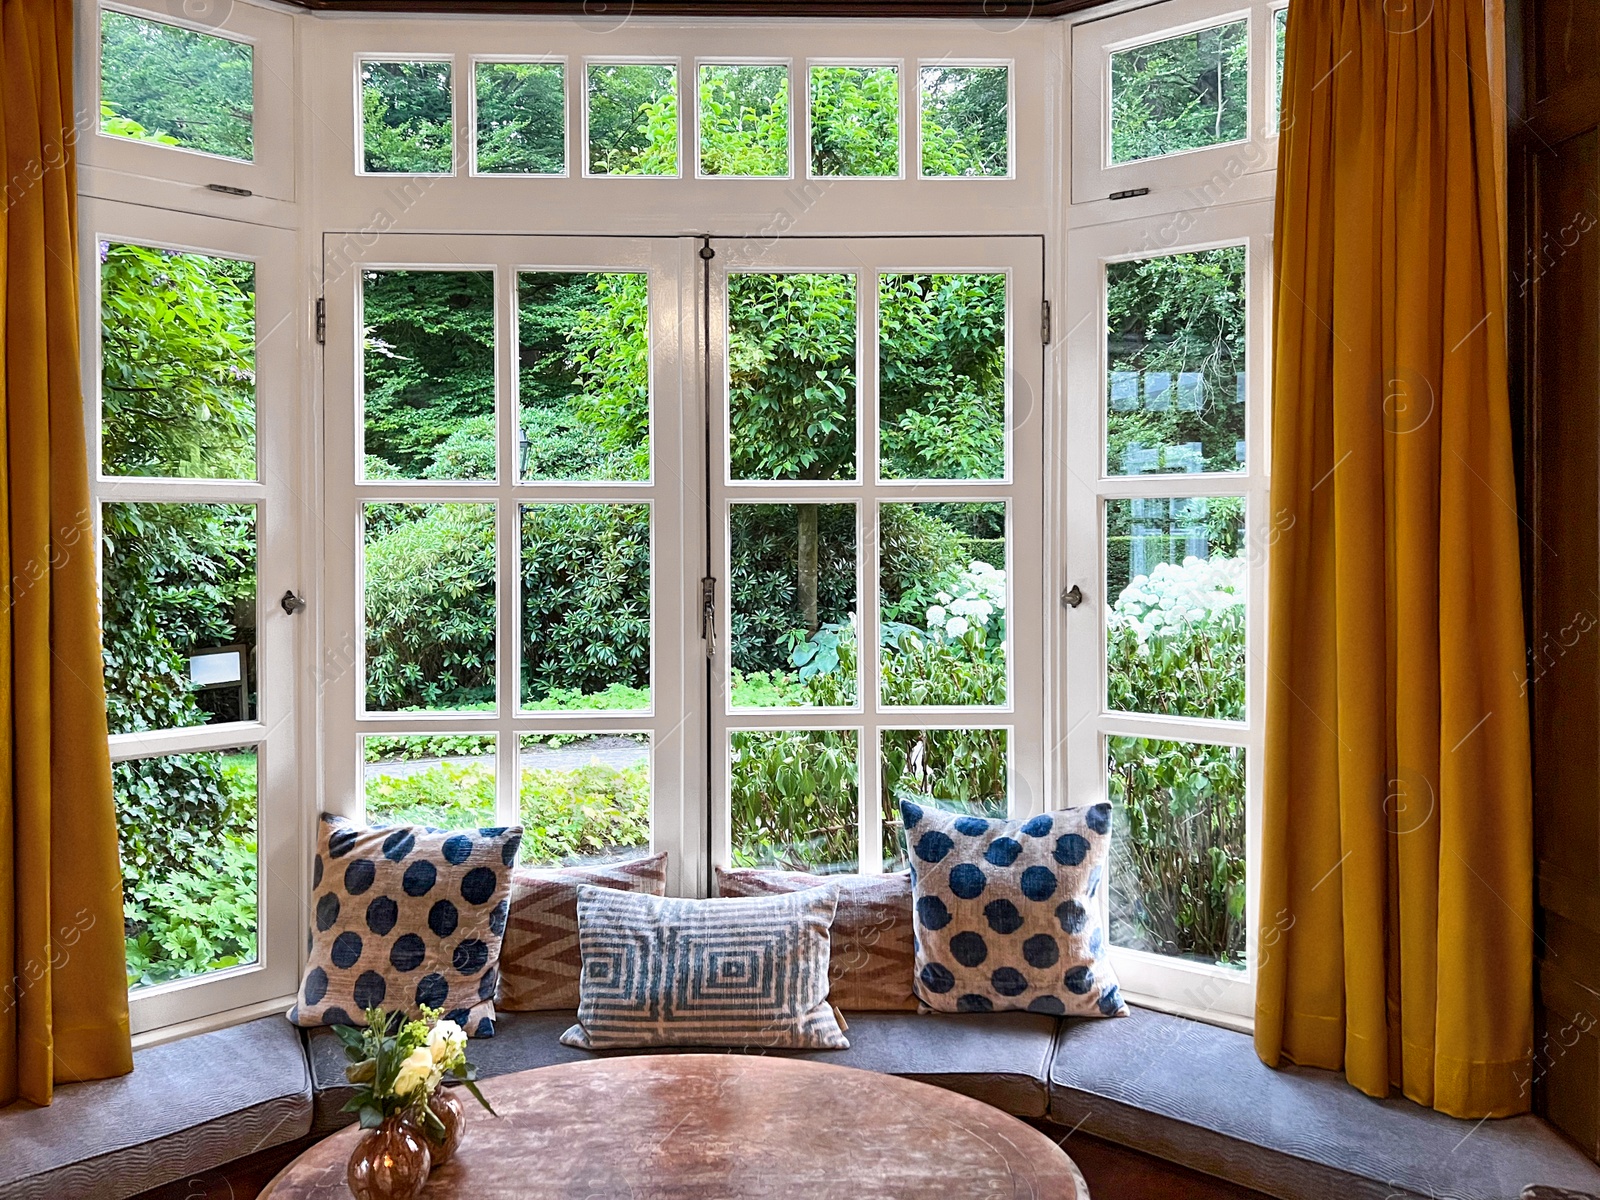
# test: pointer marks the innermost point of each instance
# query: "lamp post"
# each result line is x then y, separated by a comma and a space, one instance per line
524, 448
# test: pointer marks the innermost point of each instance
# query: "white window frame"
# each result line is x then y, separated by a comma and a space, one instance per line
457, 107
640, 60
672, 718
1094, 176
792, 128
1011, 114
270, 34
1023, 714
474, 61
281, 641
910, 141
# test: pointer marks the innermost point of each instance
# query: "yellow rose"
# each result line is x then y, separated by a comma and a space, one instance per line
417, 1076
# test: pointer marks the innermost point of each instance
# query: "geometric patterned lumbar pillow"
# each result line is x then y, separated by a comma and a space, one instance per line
1008, 912
404, 916
539, 960
667, 972
872, 945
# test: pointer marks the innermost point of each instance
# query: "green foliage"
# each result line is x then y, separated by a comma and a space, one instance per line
178, 363
428, 369
600, 372
1170, 315
792, 376
189, 871
633, 119
794, 795
585, 597
1180, 93
567, 815
429, 605
964, 121
161, 83
942, 381
855, 121
744, 120
1176, 645
765, 584
522, 118
1178, 879
406, 122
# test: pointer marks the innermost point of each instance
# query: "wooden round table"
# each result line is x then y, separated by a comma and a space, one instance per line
721, 1127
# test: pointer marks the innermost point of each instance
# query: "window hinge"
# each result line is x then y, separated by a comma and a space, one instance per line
1045, 329
708, 615
322, 320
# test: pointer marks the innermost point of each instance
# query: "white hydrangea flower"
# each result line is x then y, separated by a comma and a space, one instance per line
956, 627
936, 615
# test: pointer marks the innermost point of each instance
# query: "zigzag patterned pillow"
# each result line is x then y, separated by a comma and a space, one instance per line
539, 959
667, 972
1008, 912
872, 944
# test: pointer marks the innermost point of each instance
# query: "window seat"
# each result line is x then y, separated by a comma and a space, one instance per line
1178, 1090
1197, 1095
189, 1106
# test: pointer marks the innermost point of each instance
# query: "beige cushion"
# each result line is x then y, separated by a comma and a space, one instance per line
872, 942
404, 916
540, 961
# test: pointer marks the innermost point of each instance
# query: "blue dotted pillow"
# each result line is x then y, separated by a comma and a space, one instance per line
1008, 912
404, 916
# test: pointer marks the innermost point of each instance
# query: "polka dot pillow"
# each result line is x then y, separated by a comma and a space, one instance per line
404, 916
1008, 912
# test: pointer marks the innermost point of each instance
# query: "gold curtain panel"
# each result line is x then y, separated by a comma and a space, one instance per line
1396, 914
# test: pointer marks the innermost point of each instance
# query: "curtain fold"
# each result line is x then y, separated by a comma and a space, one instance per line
64, 1003
1396, 889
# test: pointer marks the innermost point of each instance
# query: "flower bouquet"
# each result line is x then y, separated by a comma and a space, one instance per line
398, 1067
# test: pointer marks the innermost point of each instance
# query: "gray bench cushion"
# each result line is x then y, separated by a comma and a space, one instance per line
189, 1105
1198, 1095
1001, 1058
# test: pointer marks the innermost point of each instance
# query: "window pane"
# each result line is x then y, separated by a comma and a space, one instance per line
744, 120
1175, 354
175, 87
178, 364
942, 603
1175, 601
961, 770
794, 605
424, 779
522, 118
942, 376
178, 596
794, 795
584, 375
1280, 31
792, 376
430, 607
585, 798
964, 121
855, 121
428, 374
585, 607
1177, 848
407, 125
1181, 93
187, 828
633, 119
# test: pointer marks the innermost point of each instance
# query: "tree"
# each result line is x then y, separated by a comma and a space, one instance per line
163, 83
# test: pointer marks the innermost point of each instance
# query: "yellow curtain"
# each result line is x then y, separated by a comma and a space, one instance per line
1396, 894
63, 990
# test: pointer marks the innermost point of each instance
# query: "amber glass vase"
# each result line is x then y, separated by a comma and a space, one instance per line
390, 1162
453, 1116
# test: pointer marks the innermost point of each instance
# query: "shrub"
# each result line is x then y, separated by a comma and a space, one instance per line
794, 796
1175, 641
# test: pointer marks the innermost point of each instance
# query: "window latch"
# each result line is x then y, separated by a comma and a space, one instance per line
708, 615
292, 603
1071, 597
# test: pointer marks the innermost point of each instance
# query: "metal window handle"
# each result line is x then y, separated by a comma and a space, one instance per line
292, 604
1071, 597
708, 615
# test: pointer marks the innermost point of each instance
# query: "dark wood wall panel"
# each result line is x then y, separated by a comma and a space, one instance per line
1554, 165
